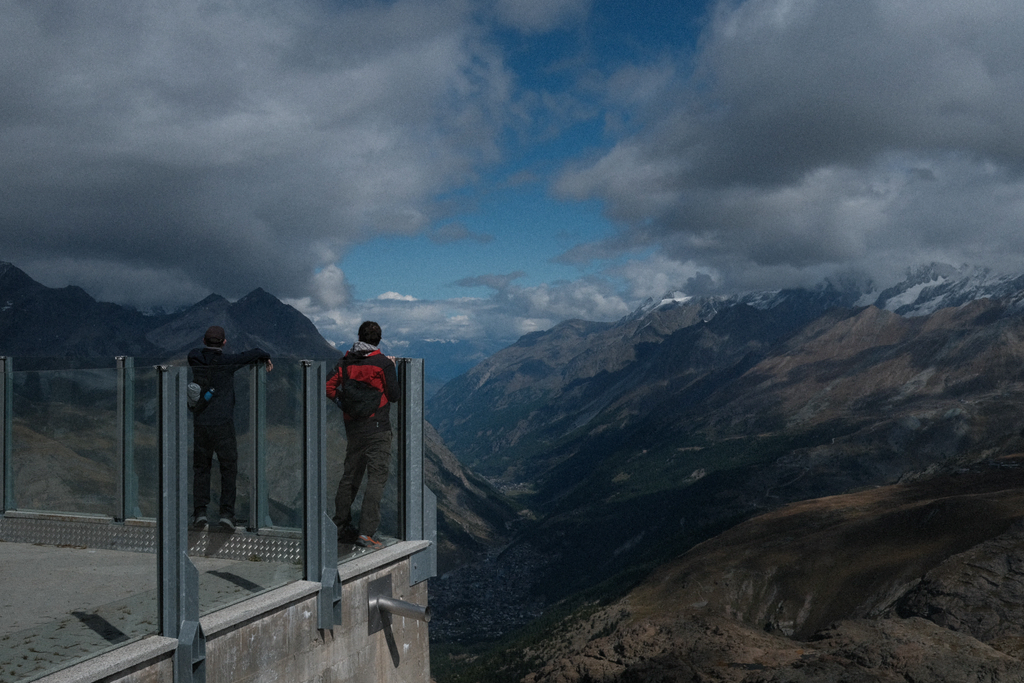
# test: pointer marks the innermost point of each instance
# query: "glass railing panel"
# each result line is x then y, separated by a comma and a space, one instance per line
244, 432
284, 446
389, 522
64, 455
87, 602
337, 443
98, 590
256, 558
67, 418
144, 436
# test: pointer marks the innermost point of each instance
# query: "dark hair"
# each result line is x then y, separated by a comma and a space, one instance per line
214, 336
369, 332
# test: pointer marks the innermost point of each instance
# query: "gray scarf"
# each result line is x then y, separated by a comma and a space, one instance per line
362, 347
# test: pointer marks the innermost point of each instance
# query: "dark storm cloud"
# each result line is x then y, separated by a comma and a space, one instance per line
815, 134
213, 147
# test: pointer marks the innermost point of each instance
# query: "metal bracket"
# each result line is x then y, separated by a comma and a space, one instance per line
380, 606
329, 599
190, 658
374, 617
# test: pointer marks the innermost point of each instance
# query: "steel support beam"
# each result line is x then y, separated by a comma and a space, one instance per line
128, 481
178, 579
259, 494
6, 433
417, 504
320, 532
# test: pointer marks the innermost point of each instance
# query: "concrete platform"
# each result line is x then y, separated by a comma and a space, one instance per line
62, 605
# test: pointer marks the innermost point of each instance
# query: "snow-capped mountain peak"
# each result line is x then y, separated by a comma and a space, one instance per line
924, 290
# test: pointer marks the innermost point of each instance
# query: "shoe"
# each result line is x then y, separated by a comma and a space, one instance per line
226, 525
368, 542
199, 522
347, 534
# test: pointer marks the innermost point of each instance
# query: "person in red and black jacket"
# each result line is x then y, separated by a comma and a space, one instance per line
369, 436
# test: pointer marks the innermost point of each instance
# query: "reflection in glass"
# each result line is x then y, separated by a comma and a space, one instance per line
284, 447
67, 458
145, 432
96, 600
336, 445
64, 445
269, 507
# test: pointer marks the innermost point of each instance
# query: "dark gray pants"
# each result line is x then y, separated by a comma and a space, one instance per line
370, 454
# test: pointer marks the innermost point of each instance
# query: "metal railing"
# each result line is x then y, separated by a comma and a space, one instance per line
112, 448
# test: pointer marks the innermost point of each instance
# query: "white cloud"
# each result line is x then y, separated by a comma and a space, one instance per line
331, 288
657, 275
538, 16
509, 313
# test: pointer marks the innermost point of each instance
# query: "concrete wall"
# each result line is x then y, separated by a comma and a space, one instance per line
274, 636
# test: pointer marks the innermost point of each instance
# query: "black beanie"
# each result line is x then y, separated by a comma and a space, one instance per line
214, 336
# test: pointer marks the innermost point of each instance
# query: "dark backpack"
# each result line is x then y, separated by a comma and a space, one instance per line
200, 391
359, 400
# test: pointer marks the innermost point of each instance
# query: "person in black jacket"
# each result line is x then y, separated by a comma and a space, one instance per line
368, 431
214, 425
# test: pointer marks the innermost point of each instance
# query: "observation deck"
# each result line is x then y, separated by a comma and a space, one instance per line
102, 579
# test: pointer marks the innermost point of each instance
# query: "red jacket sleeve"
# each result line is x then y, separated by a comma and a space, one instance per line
333, 382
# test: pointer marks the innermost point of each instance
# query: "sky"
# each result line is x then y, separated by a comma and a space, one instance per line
477, 170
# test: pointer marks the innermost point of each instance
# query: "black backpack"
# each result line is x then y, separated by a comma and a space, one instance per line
359, 400
200, 391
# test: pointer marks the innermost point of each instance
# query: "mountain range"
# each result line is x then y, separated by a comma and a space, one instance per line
799, 485
631, 443
917, 581
38, 321
43, 327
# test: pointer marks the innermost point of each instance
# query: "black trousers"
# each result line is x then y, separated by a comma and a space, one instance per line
219, 439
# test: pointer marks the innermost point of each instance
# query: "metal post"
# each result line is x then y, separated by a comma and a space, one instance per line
259, 494
379, 608
128, 481
320, 534
6, 433
417, 504
402, 608
178, 579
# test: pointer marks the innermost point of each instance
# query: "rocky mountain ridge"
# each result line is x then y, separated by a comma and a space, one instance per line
551, 384
40, 321
634, 441
919, 581
42, 327
924, 290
